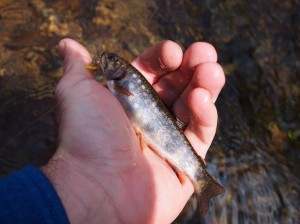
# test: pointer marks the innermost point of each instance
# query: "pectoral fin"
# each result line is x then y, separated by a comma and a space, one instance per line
122, 90
180, 175
143, 144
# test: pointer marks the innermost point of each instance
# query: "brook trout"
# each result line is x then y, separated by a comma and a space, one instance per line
157, 126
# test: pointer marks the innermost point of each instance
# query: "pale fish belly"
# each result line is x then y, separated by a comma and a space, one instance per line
158, 127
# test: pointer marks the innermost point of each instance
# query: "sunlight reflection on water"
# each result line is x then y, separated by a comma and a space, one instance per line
256, 150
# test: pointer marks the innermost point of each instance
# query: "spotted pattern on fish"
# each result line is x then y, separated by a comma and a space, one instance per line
157, 126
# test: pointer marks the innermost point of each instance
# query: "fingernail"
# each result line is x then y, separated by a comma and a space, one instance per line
62, 47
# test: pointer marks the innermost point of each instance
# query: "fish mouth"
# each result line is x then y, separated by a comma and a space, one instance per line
106, 63
102, 61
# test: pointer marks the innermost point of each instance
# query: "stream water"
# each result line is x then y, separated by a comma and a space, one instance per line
255, 154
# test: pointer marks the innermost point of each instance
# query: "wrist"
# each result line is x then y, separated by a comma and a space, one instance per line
80, 197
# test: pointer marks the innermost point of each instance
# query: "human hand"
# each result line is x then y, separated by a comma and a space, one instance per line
99, 170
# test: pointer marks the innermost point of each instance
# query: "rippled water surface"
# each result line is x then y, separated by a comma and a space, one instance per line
256, 150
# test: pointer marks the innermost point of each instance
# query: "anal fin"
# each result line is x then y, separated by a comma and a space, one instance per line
180, 175
143, 143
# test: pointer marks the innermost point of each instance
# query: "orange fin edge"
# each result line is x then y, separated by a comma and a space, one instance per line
143, 144
202, 161
122, 90
91, 67
180, 175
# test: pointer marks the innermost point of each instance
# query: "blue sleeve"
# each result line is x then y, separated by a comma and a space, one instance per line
27, 196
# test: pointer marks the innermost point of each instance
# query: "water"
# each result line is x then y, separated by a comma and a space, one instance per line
256, 150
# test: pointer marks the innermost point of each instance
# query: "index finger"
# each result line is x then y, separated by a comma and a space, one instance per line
197, 53
164, 57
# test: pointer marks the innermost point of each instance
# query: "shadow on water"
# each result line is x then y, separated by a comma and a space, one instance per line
256, 150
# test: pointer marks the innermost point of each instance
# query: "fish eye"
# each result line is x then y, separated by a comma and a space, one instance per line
111, 57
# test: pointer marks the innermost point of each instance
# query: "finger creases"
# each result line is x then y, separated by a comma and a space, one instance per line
197, 53
164, 57
202, 109
209, 76
203, 120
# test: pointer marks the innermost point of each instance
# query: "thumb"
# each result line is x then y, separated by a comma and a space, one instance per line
75, 57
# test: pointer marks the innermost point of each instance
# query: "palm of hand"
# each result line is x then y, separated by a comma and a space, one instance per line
99, 142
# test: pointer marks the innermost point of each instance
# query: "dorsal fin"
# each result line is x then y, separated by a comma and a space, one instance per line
180, 123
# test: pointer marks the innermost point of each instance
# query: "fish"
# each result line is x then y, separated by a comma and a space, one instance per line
156, 125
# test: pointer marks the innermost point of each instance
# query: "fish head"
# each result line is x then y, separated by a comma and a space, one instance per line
111, 65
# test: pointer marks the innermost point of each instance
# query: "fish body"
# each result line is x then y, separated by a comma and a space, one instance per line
157, 126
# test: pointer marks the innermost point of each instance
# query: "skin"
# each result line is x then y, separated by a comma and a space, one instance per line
99, 170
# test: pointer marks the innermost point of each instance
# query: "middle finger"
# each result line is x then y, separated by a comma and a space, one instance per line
208, 76
172, 84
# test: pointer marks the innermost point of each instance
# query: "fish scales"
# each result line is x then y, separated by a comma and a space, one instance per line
157, 126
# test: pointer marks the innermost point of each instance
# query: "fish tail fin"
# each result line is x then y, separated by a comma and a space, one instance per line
210, 189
